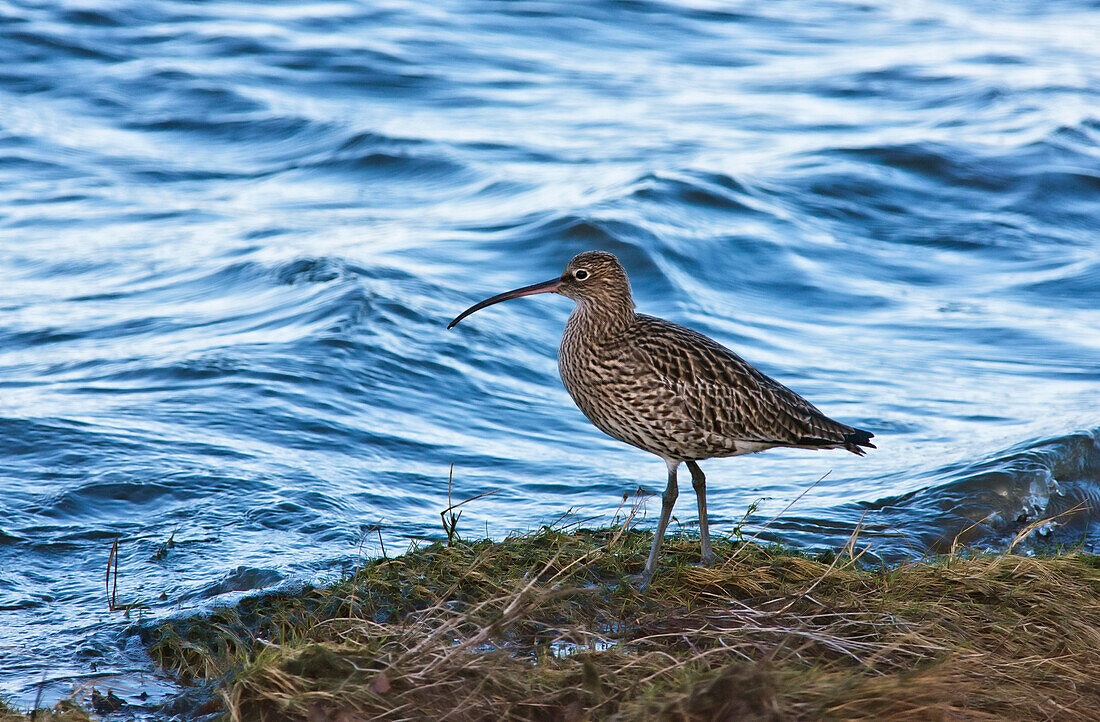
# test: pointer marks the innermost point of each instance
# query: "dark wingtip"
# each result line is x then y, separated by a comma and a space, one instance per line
858, 438
851, 441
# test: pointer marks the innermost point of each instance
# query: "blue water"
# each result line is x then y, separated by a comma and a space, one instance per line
232, 234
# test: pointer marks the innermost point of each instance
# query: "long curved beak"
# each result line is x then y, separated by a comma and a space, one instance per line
550, 286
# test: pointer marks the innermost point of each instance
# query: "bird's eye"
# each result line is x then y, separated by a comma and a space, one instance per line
580, 274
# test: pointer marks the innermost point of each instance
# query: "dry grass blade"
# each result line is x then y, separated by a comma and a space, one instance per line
782, 511
1038, 523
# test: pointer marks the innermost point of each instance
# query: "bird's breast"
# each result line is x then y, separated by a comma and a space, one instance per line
624, 398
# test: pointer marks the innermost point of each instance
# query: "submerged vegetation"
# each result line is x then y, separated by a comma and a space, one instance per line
542, 626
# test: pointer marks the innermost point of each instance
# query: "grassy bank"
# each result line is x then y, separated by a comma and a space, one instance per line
539, 627
62, 712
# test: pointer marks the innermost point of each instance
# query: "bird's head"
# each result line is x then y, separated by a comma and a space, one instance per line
594, 279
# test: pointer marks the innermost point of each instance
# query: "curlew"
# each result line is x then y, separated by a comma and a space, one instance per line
669, 390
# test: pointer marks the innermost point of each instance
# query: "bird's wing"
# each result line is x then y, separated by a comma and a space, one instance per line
724, 395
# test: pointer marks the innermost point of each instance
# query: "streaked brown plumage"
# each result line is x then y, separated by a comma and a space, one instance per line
669, 390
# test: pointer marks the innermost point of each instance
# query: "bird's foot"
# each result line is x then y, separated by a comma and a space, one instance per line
640, 582
706, 561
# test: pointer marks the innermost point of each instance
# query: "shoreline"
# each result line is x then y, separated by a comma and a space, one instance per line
542, 626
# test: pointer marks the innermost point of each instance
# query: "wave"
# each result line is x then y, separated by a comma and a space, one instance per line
988, 502
1047, 489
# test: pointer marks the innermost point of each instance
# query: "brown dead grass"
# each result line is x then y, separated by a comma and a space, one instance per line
539, 627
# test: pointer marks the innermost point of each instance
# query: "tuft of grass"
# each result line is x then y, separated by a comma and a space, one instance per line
542, 626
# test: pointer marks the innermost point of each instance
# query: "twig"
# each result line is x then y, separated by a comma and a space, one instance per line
112, 594
38, 696
450, 525
638, 503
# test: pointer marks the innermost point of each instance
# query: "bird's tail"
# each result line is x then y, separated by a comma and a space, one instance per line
858, 438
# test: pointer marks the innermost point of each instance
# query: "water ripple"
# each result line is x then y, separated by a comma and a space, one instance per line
233, 234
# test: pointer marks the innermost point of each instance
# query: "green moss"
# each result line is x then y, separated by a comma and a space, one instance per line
543, 627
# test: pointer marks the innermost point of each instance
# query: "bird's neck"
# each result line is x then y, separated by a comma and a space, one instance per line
601, 320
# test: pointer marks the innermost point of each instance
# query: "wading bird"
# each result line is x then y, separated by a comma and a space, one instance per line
669, 390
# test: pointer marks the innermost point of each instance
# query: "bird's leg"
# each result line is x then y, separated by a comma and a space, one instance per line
699, 483
668, 499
